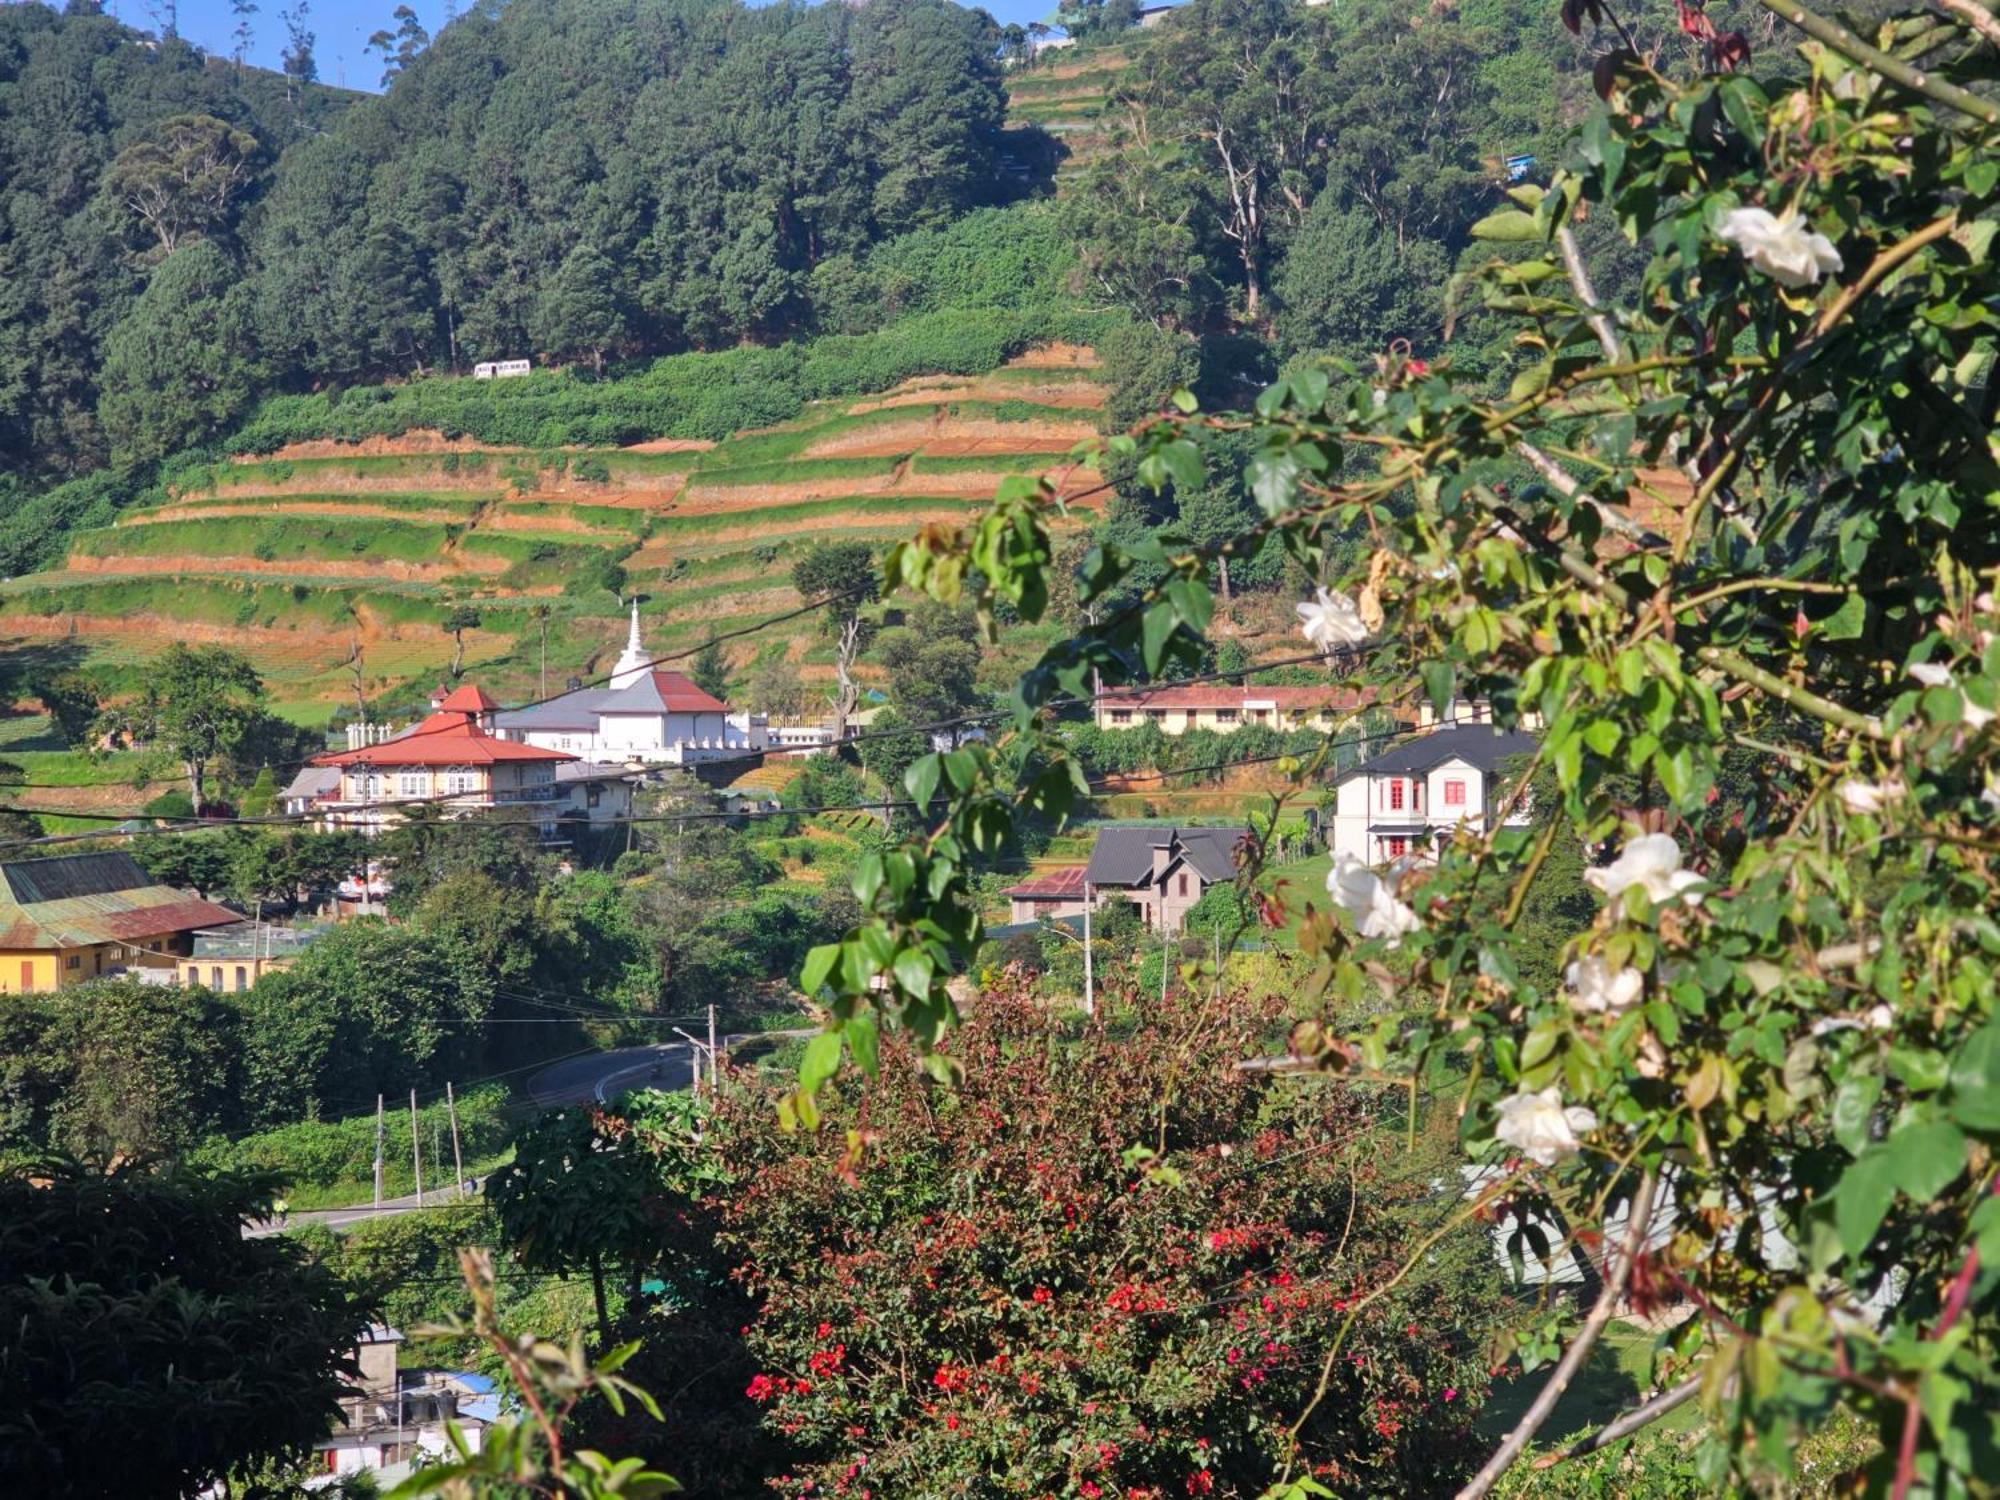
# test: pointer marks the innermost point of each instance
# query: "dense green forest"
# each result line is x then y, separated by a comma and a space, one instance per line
192, 250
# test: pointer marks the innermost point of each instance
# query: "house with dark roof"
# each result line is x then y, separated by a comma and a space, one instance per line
1408, 799
79, 916
642, 713
1161, 870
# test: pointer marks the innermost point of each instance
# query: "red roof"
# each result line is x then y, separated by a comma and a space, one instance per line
1228, 695
1064, 884
444, 739
678, 691
467, 700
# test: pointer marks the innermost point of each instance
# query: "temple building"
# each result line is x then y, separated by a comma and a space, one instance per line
642, 713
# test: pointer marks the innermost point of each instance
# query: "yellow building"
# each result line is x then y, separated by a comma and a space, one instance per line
79, 916
235, 958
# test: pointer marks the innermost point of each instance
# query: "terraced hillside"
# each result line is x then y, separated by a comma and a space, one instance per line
1069, 97
326, 556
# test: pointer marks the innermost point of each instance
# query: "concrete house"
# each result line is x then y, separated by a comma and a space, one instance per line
394, 1418
1162, 871
452, 759
1224, 706
79, 916
1404, 801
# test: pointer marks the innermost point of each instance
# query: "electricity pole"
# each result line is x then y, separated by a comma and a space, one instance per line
1089, 973
713, 1076
457, 1161
378, 1153
416, 1149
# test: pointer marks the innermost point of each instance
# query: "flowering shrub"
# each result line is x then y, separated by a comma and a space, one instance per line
1745, 505
1005, 1297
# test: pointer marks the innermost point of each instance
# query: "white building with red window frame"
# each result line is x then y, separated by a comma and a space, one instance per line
1404, 801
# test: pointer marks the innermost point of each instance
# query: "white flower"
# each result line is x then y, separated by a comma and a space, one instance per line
1331, 621
1653, 863
1868, 797
1875, 1018
1598, 989
1540, 1128
1370, 900
1931, 674
1780, 245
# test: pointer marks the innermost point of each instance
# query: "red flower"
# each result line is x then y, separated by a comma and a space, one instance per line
1041, 1294
1200, 1482
761, 1388
951, 1421
1088, 1490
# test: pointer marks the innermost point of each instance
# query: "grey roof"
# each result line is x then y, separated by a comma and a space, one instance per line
313, 781
67, 875
579, 710
596, 770
576, 710
1478, 745
1124, 856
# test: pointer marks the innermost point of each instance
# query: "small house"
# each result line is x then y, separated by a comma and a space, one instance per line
80, 916
1404, 801
1161, 870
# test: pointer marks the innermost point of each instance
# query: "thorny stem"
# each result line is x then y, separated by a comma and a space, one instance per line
1839, 715
1638, 1216
1850, 46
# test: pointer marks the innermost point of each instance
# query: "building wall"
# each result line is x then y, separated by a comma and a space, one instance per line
1449, 795
228, 975
1221, 718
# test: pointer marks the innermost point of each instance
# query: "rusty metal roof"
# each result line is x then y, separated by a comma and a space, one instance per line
82, 899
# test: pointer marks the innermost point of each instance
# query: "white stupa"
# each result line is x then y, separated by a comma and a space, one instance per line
633, 663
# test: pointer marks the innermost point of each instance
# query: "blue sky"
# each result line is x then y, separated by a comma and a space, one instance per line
344, 26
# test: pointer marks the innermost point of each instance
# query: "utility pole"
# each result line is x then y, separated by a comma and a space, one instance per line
457, 1160
416, 1149
713, 1075
1089, 973
378, 1153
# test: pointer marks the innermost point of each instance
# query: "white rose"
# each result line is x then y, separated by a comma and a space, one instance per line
1931, 674
1867, 797
1653, 863
1370, 900
1540, 1128
1598, 989
1780, 245
1331, 621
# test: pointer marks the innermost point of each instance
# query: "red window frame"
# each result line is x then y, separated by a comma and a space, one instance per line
1396, 794
1454, 791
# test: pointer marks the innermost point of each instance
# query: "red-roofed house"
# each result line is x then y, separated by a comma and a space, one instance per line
1224, 706
1053, 893
451, 758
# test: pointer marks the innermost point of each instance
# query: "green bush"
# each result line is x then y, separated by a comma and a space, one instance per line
321, 1154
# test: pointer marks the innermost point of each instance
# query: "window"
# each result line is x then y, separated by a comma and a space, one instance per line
75, 961
1225, 716
27, 975
1397, 847
460, 780
1121, 716
215, 978
242, 977
1157, 715
413, 783
1454, 792
1181, 888
1396, 794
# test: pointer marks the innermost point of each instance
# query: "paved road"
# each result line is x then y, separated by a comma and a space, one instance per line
602, 1076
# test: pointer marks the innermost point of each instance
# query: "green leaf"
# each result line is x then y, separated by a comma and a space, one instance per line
1847, 622
913, 971
864, 1042
818, 965
1866, 1190
1509, 225
1853, 1107
1184, 400
1931, 1155
1975, 1080
821, 1061
1156, 629
922, 779
1438, 679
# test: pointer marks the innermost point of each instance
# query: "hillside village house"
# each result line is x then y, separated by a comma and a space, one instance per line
1162, 871
79, 916
642, 713
455, 759
236, 957
392, 1418
1224, 706
1405, 800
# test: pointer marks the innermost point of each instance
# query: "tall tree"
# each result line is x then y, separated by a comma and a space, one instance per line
183, 363
847, 577
203, 701
709, 670
459, 619
243, 33
401, 47
300, 67
184, 178
579, 311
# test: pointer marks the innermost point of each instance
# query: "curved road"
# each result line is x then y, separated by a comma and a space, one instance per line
601, 1076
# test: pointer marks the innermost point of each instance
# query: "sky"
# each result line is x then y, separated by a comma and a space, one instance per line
344, 26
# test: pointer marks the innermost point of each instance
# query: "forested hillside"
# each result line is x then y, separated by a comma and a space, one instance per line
702, 220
